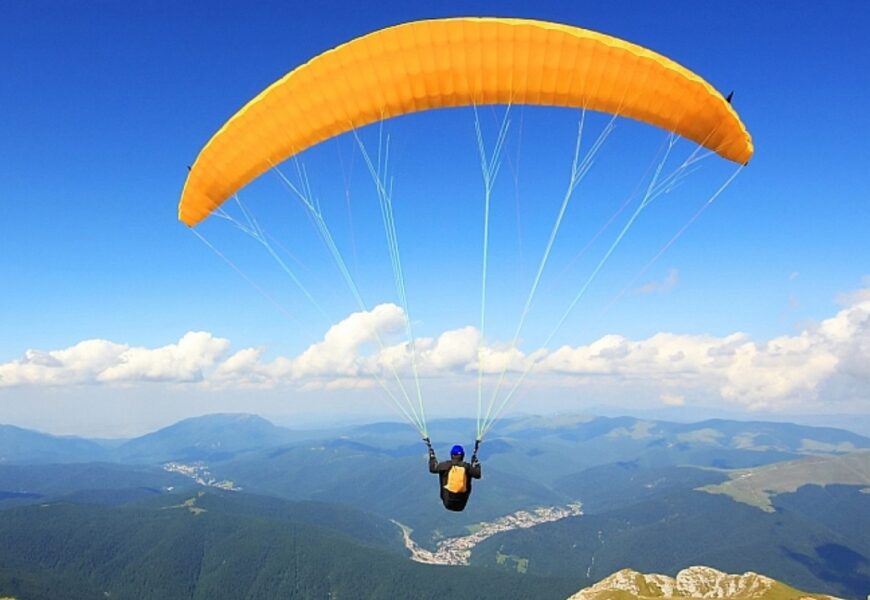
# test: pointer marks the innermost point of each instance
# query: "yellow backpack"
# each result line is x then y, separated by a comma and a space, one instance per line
456, 480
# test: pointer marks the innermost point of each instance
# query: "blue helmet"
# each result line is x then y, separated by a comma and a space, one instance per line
457, 451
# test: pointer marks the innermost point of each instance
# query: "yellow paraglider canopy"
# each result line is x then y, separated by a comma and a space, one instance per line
456, 62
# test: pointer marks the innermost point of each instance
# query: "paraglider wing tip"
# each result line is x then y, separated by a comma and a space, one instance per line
184, 217
729, 96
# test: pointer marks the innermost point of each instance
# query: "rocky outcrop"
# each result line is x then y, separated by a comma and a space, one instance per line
695, 583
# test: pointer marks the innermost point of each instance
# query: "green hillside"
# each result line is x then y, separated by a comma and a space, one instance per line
816, 542
58, 479
756, 486
354, 474
78, 551
608, 487
364, 527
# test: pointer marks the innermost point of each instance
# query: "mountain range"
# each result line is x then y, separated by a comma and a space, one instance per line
782, 499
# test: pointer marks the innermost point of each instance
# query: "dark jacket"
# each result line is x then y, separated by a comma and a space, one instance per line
453, 501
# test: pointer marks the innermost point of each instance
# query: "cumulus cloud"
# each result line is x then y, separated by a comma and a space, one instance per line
454, 350
338, 353
766, 375
184, 361
102, 361
830, 358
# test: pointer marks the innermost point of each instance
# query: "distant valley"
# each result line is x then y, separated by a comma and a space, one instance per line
457, 550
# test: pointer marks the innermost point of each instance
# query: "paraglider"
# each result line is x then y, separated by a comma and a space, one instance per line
455, 475
453, 62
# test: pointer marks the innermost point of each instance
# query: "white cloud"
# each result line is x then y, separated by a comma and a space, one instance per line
786, 371
241, 368
339, 352
821, 364
453, 350
194, 353
102, 361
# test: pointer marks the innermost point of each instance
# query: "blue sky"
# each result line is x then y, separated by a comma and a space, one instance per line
106, 103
